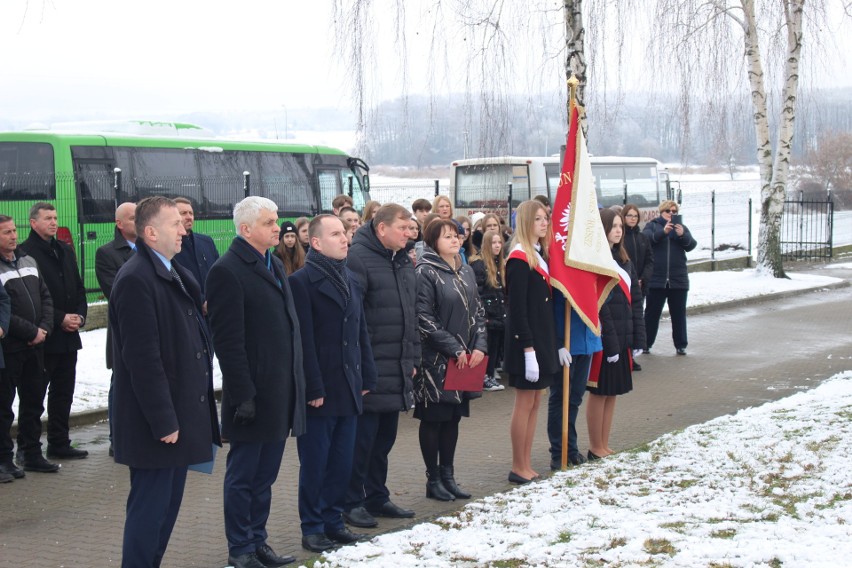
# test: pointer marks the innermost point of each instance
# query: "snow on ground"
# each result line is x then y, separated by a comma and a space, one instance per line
768, 486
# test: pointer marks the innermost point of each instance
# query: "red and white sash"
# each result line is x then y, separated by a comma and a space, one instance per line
542, 268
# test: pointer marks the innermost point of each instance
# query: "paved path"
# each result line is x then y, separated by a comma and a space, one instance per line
738, 357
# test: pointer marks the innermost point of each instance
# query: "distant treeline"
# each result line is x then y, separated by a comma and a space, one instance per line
423, 131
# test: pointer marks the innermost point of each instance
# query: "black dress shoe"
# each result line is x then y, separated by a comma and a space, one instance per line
681, 351
344, 536
517, 479
39, 464
359, 517
6, 477
268, 557
9, 468
636, 366
391, 511
66, 453
576, 459
593, 457
317, 543
247, 560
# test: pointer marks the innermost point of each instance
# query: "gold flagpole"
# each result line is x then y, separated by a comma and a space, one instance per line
573, 83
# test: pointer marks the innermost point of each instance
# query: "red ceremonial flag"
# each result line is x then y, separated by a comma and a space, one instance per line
581, 263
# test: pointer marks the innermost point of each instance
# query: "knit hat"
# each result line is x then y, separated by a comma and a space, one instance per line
288, 227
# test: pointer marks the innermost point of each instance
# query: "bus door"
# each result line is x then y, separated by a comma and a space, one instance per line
330, 185
96, 202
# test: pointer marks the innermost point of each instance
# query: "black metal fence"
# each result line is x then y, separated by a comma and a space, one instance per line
807, 229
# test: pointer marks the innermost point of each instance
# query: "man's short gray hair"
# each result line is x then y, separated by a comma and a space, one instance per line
248, 210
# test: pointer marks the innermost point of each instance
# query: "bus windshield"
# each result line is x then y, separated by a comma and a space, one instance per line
487, 185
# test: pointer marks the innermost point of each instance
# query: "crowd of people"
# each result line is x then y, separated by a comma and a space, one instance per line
325, 329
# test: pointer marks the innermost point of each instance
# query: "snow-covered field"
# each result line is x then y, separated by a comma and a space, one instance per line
769, 486
706, 288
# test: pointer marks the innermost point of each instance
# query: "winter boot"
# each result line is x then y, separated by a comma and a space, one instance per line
450, 482
434, 488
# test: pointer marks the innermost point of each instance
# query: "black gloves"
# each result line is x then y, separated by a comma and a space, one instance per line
244, 415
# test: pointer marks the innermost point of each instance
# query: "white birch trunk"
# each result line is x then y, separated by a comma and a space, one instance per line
575, 35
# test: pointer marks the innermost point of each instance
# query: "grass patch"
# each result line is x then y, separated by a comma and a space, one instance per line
676, 526
720, 565
617, 542
724, 533
564, 537
602, 483
509, 563
659, 546
776, 563
686, 483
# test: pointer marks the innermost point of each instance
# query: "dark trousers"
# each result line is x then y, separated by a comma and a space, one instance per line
152, 509
325, 453
374, 440
25, 372
61, 376
251, 469
495, 346
578, 375
657, 298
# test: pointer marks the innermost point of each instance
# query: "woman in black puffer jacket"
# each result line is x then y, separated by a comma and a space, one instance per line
670, 278
452, 331
489, 270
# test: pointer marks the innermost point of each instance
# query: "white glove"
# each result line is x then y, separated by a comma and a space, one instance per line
636, 353
613, 359
530, 366
565, 357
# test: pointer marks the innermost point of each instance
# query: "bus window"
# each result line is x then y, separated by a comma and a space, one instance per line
357, 191
487, 186
96, 182
286, 181
553, 173
26, 171
168, 172
223, 181
330, 186
609, 182
642, 184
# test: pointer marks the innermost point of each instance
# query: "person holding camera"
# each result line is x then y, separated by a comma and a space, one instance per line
670, 241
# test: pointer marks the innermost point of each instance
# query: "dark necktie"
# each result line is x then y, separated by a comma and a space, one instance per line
176, 276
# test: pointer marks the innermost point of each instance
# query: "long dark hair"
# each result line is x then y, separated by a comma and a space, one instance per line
618, 251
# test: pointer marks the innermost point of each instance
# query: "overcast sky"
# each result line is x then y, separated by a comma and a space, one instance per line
152, 58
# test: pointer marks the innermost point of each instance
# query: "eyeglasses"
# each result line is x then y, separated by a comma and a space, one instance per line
670, 211
632, 216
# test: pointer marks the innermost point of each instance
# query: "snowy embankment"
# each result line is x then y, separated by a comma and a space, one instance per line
768, 486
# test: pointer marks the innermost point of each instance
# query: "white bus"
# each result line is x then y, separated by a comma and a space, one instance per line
482, 184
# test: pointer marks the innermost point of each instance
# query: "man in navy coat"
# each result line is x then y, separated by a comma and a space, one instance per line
339, 370
165, 415
198, 252
257, 340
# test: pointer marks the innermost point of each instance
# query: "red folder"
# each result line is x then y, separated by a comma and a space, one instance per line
467, 379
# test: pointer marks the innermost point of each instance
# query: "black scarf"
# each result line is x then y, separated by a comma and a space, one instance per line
334, 270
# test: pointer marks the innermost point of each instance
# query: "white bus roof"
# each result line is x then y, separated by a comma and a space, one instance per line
519, 160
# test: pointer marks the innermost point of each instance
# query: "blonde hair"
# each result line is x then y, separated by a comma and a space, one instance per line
523, 236
668, 204
437, 201
493, 271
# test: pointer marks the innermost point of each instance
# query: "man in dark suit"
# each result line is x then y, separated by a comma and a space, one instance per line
7, 470
165, 415
108, 259
257, 340
58, 266
198, 252
339, 369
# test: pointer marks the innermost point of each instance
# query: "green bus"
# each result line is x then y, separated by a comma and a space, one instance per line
86, 175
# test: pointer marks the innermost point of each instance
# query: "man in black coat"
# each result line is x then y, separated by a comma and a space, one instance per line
257, 340
379, 260
165, 414
339, 369
30, 323
58, 266
197, 252
108, 259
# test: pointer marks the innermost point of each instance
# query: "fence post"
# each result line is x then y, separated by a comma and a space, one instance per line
116, 186
437, 188
509, 206
750, 221
800, 251
246, 184
830, 226
713, 228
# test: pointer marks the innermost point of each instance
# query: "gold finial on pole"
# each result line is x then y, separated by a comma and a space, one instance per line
573, 84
